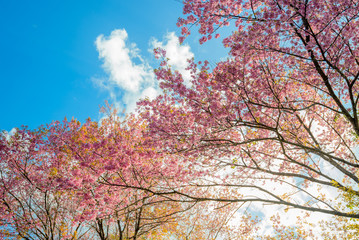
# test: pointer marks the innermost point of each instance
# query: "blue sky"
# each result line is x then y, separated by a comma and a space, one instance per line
50, 64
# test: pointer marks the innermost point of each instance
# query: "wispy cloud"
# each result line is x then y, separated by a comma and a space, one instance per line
177, 53
9, 134
130, 77
118, 57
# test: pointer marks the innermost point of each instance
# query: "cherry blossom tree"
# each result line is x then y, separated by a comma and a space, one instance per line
63, 181
69, 180
31, 205
277, 122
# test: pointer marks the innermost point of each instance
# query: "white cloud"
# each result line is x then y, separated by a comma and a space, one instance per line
118, 61
9, 134
177, 53
290, 217
12, 131
130, 76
